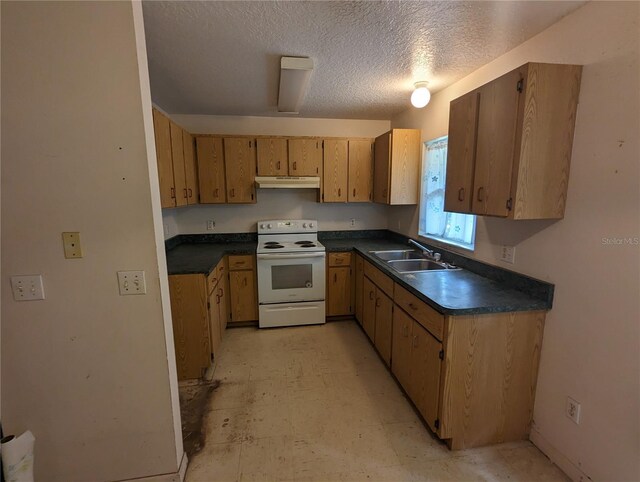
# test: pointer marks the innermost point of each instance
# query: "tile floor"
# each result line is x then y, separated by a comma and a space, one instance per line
317, 403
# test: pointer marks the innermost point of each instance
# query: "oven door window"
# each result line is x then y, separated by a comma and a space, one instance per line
291, 276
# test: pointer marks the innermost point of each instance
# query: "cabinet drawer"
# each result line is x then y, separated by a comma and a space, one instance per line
221, 269
379, 278
339, 259
240, 262
420, 311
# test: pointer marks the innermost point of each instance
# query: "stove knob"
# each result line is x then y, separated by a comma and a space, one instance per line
311, 225
304, 225
262, 226
269, 226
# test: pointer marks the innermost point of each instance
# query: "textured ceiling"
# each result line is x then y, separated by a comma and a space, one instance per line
222, 57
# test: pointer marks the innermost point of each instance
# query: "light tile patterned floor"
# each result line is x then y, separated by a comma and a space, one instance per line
316, 403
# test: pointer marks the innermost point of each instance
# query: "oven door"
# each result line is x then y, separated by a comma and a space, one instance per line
289, 277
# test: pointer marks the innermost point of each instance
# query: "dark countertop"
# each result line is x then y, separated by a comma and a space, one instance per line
460, 292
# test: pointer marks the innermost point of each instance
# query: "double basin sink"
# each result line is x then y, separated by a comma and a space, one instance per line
410, 261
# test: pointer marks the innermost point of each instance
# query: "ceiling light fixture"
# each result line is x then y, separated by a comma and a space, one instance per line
295, 73
421, 95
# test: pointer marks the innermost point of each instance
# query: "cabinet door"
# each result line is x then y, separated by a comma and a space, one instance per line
382, 164
191, 337
177, 156
190, 167
497, 117
401, 347
162, 134
211, 175
243, 299
339, 292
384, 323
214, 321
360, 171
272, 157
359, 288
335, 171
223, 293
425, 373
369, 308
461, 152
405, 166
240, 167
305, 157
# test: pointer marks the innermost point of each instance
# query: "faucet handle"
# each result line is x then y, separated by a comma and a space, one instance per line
437, 256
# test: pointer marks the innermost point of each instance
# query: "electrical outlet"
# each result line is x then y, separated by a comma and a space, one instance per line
27, 288
508, 254
211, 224
573, 410
353, 222
132, 283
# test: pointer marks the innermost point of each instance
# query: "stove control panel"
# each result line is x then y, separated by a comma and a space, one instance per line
278, 226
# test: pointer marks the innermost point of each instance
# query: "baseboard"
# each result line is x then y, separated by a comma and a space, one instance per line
558, 458
172, 477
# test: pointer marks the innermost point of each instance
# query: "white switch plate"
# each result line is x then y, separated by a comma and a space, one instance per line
573, 410
132, 283
508, 254
211, 224
27, 288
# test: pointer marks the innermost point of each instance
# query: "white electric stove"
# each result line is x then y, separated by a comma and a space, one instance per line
291, 273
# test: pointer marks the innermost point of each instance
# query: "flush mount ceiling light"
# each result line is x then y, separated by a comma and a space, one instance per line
421, 95
295, 73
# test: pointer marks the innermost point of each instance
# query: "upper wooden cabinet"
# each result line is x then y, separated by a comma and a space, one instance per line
240, 169
396, 167
190, 167
162, 133
273, 159
335, 170
211, 170
177, 156
360, 170
510, 144
305, 157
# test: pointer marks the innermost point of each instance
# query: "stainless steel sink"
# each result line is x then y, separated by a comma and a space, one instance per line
416, 265
397, 254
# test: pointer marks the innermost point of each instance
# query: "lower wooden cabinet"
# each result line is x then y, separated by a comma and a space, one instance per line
359, 288
243, 292
377, 310
339, 293
369, 308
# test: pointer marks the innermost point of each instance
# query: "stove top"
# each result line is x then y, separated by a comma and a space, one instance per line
288, 236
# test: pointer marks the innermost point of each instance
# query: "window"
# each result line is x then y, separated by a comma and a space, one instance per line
435, 223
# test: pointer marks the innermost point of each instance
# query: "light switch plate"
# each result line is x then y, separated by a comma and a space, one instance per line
27, 288
71, 244
132, 283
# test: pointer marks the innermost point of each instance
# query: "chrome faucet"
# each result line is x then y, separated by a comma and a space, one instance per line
424, 249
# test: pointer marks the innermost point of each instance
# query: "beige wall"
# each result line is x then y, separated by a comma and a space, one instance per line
85, 369
591, 342
277, 203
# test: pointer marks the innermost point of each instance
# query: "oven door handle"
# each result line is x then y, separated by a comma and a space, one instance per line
291, 256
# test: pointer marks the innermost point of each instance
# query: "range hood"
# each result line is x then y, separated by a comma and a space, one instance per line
287, 182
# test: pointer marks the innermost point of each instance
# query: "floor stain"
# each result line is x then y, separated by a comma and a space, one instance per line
194, 399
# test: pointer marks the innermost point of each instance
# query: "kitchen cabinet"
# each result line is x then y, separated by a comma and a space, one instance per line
360, 178
240, 169
211, 174
162, 134
339, 300
396, 172
177, 157
510, 144
336, 170
359, 287
242, 288
191, 336
305, 157
273, 159
190, 168
377, 310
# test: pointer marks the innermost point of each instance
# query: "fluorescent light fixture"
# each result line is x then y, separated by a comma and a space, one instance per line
288, 182
295, 73
421, 96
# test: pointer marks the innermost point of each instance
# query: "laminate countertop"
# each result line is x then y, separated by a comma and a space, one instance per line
486, 289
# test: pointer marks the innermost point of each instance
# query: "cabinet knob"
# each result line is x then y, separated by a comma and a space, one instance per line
461, 194
173, 193
377, 302
481, 194
371, 295
215, 192
339, 192
354, 192
415, 341
185, 193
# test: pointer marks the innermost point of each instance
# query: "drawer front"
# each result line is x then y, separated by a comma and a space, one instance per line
420, 311
221, 269
379, 278
244, 261
339, 259
212, 280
